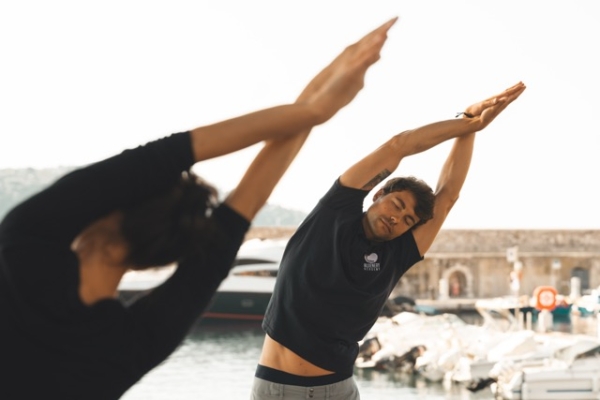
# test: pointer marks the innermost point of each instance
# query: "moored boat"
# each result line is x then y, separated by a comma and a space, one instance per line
242, 296
572, 373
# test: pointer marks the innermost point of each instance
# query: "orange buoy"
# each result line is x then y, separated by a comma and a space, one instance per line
545, 298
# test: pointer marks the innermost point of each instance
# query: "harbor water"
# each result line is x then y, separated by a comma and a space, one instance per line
217, 361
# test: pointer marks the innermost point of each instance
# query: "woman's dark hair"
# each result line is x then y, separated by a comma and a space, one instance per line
423, 193
171, 226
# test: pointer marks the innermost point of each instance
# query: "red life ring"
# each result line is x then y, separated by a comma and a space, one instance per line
545, 298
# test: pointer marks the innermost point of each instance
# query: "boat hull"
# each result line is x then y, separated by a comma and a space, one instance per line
239, 306
225, 306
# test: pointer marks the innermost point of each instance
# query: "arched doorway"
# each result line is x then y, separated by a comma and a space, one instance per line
460, 281
457, 284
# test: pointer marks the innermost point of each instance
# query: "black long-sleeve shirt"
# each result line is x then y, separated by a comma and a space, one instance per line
53, 346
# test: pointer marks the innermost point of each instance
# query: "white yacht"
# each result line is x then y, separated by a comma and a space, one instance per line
572, 373
242, 296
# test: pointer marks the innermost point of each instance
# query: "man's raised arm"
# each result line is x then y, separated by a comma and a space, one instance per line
378, 165
455, 169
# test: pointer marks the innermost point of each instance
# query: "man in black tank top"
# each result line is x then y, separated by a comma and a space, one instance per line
342, 263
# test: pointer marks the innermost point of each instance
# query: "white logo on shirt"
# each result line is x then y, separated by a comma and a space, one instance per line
371, 258
371, 262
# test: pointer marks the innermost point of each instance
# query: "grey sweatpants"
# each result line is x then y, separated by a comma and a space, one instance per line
265, 390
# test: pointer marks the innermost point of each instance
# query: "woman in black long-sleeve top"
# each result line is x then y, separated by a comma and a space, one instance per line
63, 252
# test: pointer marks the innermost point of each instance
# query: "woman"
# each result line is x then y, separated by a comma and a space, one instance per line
63, 252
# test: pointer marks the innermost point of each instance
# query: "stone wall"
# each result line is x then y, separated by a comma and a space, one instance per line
477, 260
473, 263
527, 240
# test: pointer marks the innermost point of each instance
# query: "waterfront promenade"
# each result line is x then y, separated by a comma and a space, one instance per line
465, 308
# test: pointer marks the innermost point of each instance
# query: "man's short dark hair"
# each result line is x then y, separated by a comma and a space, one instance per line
423, 193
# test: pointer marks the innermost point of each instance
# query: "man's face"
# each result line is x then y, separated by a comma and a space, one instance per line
390, 215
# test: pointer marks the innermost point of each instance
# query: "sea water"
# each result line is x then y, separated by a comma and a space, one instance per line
217, 361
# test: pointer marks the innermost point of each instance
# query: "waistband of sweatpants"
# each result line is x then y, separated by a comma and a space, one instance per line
284, 378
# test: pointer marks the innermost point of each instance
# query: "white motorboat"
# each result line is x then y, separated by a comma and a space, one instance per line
510, 349
516, 363
487, 350
572, 373
410, 341
242, 296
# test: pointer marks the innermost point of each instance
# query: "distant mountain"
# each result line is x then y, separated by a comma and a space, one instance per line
18, 184
273, 215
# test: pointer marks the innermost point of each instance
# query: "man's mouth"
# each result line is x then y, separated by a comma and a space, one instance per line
386, 224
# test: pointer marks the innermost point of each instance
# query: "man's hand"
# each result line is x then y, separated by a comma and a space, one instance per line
337, 84
485, 111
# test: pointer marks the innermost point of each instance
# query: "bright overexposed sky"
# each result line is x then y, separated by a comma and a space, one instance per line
82, 80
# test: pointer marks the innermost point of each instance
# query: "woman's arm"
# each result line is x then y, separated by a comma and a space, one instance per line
334, 87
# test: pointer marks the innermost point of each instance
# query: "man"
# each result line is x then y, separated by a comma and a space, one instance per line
341, 264
63, 332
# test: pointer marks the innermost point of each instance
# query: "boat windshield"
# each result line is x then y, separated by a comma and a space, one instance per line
579, 350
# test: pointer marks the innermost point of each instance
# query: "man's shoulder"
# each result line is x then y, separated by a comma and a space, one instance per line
340, 195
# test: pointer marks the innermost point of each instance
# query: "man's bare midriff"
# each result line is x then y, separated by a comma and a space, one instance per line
277, 356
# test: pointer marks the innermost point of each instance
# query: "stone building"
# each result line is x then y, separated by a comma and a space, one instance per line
484, 263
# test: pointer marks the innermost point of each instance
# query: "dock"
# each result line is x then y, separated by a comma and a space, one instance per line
454, 306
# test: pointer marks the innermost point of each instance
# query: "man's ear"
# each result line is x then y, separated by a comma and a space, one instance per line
378, 194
